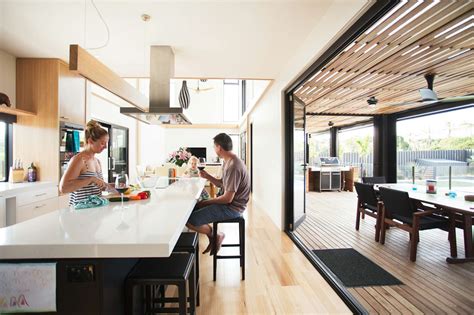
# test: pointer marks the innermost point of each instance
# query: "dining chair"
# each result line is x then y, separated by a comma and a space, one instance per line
374, 180
400, 211
367, 203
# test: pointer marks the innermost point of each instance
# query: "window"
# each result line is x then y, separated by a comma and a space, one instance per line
355, 147
428, 146
232, 100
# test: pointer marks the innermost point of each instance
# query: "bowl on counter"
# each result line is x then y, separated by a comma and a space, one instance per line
147, 181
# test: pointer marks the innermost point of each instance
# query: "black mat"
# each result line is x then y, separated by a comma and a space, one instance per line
354, 269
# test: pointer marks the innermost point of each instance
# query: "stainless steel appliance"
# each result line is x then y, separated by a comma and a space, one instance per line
330, 174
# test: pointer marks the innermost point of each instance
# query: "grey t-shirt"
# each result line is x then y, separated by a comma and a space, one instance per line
236, 179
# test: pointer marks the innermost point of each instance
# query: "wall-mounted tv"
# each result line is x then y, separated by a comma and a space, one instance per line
198, 152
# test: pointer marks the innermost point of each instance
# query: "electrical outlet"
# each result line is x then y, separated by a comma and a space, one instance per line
80, 273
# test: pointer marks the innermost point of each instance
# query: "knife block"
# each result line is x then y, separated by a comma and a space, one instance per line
17, 175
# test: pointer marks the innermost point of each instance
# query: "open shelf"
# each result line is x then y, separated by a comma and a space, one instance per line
15, 112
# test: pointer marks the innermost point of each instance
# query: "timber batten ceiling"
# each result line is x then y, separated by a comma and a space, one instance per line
390, 59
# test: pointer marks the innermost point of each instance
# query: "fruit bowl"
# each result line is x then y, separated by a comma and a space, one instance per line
147, 181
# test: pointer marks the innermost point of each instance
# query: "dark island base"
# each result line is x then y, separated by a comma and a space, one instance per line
88, 286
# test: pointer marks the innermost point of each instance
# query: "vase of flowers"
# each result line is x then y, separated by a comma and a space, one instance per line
179, 157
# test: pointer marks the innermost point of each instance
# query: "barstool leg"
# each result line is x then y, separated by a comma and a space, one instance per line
198, 285
242, 249
128, 298
183, 301
192, 290
214, 246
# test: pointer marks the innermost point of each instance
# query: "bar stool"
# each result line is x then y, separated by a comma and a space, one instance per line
241, 245
188, 242
178, 270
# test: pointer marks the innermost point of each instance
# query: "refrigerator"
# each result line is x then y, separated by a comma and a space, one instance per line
115, 159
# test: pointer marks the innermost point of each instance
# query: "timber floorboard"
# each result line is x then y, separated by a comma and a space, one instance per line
430, 285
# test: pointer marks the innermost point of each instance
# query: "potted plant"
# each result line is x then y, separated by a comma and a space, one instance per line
179, 157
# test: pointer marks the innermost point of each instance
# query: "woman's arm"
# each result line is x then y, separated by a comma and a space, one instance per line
70, 182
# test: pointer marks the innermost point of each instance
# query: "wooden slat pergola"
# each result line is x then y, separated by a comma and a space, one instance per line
389, 61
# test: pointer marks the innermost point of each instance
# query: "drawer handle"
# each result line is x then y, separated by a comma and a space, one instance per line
41, 206
39, 195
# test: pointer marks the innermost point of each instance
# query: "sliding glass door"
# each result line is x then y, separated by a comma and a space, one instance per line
299, 162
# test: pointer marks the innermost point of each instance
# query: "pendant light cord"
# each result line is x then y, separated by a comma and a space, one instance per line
103, 21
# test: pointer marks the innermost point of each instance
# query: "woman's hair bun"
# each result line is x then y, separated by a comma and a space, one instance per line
94, 131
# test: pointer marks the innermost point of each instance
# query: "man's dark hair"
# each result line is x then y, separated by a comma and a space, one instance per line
224, 141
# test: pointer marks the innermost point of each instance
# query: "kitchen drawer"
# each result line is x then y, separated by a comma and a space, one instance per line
36, 195
33, 210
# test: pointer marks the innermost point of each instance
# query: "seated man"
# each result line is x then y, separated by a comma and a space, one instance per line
236, 186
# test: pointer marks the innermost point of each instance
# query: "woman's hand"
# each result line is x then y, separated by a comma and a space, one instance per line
99, 183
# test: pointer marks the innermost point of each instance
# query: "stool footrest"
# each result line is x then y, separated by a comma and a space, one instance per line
228, 257
165, 310
230, 245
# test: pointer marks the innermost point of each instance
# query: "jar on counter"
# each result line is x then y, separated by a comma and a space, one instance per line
32, 173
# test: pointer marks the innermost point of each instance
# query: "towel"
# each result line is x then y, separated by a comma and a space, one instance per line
91, 202
76, 141
69, 141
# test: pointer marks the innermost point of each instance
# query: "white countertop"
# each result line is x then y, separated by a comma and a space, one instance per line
329, 168
8, 189
148, 228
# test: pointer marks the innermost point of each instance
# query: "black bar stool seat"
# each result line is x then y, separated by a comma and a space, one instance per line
178, 269
241, 221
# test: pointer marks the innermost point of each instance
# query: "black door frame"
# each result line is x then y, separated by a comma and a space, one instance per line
375, 12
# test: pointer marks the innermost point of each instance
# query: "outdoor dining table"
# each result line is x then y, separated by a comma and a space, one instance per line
457, 205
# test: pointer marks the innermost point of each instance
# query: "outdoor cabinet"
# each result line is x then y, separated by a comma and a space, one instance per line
327, 180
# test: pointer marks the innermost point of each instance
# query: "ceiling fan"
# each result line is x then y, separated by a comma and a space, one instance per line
428, 96
198, 89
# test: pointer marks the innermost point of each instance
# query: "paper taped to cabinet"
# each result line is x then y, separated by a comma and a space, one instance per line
28, 287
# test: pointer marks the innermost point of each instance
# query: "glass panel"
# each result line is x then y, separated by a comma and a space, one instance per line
3, 151
318, 147
299, 167
355, 148
144, 86
434, 143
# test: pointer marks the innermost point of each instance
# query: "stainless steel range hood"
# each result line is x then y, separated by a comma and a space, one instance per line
159, 111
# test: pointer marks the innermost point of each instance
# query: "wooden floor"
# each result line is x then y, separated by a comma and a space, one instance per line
279, 278
430, 284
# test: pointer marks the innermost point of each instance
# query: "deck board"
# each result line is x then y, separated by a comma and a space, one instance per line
430, 285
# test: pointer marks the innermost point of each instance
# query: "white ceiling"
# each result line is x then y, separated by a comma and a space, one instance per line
222, 39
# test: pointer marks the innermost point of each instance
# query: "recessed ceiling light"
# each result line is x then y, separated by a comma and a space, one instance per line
145, 17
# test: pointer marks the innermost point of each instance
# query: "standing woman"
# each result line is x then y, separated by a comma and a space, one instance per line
83, 177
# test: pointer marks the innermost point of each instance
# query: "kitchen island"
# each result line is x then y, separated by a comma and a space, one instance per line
94, 249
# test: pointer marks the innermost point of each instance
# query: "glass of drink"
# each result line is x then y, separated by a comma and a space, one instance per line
122, 184
202, 163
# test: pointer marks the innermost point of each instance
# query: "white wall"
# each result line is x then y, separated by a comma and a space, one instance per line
8, 76
157, 142
267, 118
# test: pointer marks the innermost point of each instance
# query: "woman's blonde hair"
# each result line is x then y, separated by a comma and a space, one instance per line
94, 131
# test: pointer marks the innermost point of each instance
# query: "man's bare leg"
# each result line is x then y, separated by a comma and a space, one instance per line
203, 229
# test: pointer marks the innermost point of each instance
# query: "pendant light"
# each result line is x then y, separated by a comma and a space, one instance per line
184, 98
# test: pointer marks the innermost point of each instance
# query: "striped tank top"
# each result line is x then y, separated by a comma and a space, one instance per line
86, 191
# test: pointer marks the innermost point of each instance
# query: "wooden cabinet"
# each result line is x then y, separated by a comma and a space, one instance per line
72, 96
47, 88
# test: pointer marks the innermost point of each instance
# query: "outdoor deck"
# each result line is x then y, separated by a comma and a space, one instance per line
430, 284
